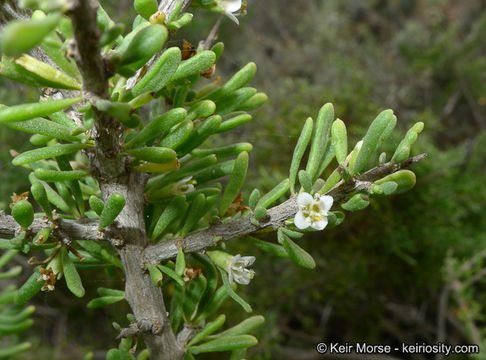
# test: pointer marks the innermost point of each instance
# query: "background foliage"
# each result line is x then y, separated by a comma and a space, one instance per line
380, 275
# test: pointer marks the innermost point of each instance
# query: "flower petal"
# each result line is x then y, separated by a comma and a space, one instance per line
235, 259
300, 220
248, 260
304, 199
320, 225
231, 5
243, 279
327, 201
232, 17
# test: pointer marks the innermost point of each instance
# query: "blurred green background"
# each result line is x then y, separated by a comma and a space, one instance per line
385, 275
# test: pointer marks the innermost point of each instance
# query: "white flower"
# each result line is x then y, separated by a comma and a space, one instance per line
237, 270
230, 7
235, 266
183, 186
312, 211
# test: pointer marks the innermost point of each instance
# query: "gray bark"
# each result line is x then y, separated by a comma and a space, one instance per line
115, 176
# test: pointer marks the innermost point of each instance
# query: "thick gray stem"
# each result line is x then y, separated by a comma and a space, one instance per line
145, 299
115, 176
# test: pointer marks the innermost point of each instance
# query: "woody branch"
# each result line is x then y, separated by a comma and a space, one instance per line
223, 232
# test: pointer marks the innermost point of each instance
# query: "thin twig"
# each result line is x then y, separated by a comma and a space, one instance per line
75, 229
468, 265
457, 287
213, 35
